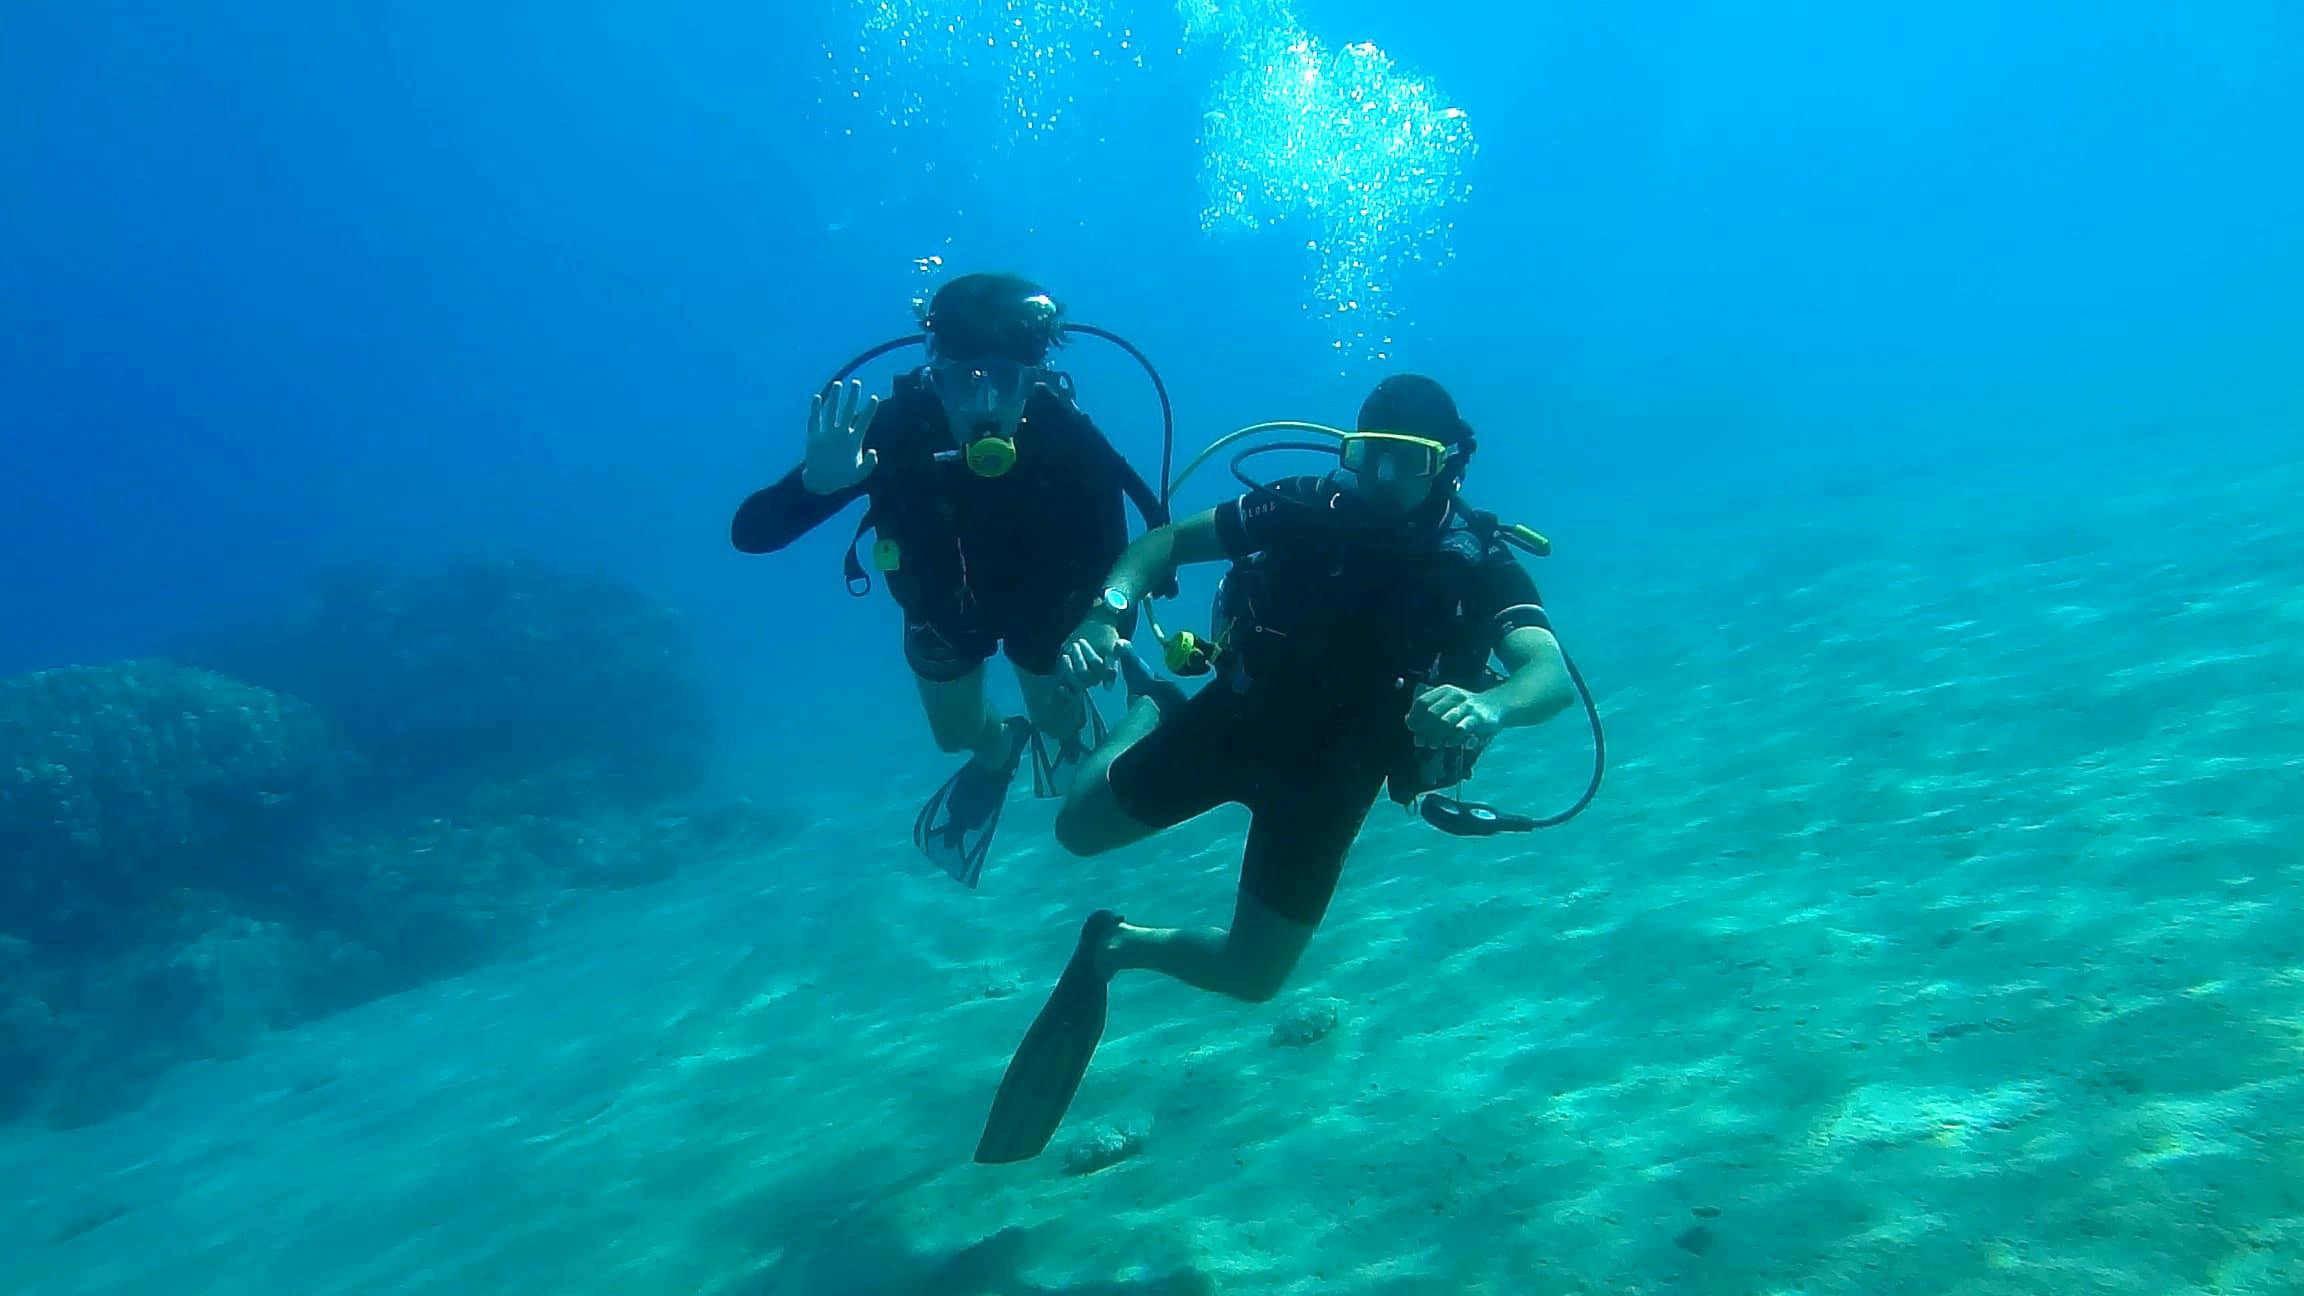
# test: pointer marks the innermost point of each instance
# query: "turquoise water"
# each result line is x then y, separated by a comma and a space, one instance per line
431, 861
1958, 959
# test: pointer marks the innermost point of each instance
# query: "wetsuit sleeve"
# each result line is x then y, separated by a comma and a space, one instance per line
1256, 521
1507, 593
775, 517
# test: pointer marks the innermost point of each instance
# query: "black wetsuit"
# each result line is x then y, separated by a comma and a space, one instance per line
1337, 625
983, 562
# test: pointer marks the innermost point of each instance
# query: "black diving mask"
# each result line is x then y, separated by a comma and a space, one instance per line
985, 399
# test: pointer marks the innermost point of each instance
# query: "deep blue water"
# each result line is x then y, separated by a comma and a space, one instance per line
282, 285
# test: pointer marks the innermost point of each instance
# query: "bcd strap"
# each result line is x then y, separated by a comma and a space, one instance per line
1132, 483
859, 581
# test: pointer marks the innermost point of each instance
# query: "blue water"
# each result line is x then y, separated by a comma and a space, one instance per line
485, 318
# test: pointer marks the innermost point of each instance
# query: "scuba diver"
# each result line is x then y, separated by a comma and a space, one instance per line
997, 507
1355, 628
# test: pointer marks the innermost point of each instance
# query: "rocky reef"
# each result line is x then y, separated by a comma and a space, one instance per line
395, 781
121, 783
472, 672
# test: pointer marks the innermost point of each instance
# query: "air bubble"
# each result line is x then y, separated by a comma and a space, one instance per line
1284, 141
1281, 138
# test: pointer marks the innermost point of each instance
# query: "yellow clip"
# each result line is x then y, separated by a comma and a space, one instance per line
1189, 654
1530, 539
886, 555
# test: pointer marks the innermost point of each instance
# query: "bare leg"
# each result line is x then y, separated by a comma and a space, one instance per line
1092, 819
1253, 958
1056, 711
962, 718
1250, 961
1296, 842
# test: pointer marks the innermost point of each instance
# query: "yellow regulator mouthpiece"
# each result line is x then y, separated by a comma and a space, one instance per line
991, 456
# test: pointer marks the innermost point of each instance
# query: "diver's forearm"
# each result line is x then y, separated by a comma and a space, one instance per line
1148, 563
1536, 692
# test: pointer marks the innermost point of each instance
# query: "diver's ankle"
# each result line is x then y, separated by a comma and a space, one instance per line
993, 745
1111, 957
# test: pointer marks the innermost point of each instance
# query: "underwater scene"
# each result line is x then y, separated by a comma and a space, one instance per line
1165, 648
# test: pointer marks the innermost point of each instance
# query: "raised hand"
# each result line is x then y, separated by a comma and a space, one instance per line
837, 458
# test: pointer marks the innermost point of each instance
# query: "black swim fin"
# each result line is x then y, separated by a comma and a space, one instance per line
955, 827
1052, 775
1041, 1079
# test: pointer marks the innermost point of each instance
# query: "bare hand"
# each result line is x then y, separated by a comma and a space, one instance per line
1092, 655
1448, 716
837, 458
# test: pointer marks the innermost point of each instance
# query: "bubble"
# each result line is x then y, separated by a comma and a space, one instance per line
1369, 153
1003, 66
1365, 156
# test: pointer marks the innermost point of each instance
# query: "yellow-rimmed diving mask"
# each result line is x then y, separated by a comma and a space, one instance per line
1392, 456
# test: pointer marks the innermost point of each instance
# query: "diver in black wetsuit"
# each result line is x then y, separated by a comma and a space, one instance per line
1357, 621
998, 507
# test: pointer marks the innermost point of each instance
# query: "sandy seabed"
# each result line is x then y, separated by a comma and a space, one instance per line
1938, 931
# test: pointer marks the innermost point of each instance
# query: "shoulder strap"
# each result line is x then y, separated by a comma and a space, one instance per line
1150, 505
906, 386
859, 580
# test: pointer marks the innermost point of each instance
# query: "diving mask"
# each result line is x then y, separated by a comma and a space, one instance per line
1392, 456
984, 388
985, 399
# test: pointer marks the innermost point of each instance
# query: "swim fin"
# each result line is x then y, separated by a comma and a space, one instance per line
1052, 775
1046, 1071
955, 827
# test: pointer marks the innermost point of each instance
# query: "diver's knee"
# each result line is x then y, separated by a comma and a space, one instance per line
1262, 985
1077, 830
1262, 966
1071, 834
1092, 820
